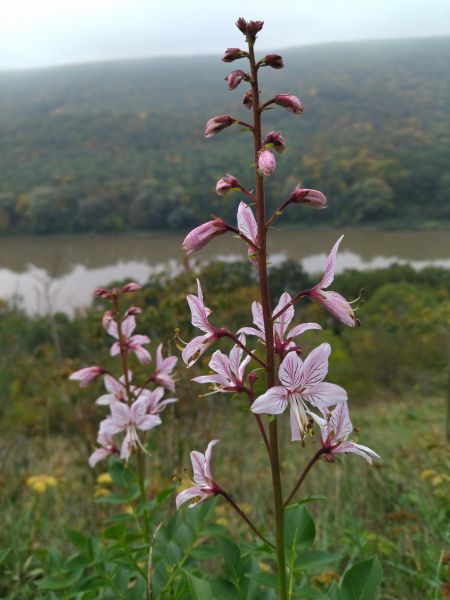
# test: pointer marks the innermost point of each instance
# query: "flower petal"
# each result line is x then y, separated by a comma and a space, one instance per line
290, 372
273, 402
315, 366
324, 394
328, 275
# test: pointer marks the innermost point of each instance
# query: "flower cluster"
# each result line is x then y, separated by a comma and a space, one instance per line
298, 383
132, 407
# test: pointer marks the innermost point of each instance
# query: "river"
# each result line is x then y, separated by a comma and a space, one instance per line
59, 273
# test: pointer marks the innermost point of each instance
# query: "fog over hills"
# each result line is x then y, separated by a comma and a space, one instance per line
118, 145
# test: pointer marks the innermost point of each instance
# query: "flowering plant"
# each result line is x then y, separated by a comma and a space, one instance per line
290, 379
148, 549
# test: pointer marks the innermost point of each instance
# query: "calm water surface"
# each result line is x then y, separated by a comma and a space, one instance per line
60, 273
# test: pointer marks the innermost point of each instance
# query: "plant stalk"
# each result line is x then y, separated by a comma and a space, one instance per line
268, 327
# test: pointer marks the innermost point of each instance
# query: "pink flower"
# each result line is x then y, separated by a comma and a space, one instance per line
266, 162
87, 375
229, 370
218, 123
276, 140
129, 419
248, 227
164, 368
301, 384
204, 485
232, 54
335, 429
201, 235
200, 313
227, 184
272, 60
247, 100
290, 102
107, 448
155, 403
131, 287
235, 78
333, 302
312, 197
116, 389
130, 342
282, 339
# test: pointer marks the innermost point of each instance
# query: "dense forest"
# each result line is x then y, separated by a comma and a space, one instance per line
119, 145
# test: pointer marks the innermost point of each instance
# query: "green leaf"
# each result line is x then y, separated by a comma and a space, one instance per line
122, 474
306, 500
163, 494
3, 554
312, 559
299, 529
266, 579
59, 582
200, 588
362, 580
79, 540
225, 590
333, 592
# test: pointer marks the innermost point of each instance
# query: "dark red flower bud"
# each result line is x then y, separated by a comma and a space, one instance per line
248, 99
232, 54
276, 140
313, 197
235, 78
290, 102
131, 287
134, 311
227, 184
102, 293
249, 28
272, 60
218, 123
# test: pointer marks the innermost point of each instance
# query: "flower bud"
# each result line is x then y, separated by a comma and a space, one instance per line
290, 102
218, 123
227, 184
200, 236
235, 78
266, 162
313, 197
232, 54
134, 311
272, 60
247, 101
249, 28
131, 287
102, 293
87, 375
276, 140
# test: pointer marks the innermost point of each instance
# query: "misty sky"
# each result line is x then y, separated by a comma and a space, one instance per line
48, 32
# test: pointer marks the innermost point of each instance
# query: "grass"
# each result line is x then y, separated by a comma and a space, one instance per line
397, 508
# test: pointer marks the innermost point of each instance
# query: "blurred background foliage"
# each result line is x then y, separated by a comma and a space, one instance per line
395, 368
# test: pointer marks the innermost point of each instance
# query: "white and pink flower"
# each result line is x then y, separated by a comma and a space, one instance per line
129, 419
283, 339
204, 485
248, 227
333, 302
130, 342
335, 429
200, 313
229, 371
301, 385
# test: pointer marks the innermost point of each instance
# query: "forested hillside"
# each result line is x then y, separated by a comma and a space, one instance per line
115, 146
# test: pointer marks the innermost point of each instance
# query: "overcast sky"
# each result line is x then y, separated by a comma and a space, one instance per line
48, 32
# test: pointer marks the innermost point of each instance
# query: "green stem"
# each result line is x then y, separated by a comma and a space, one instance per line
141, 481
306, 470
268, 327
